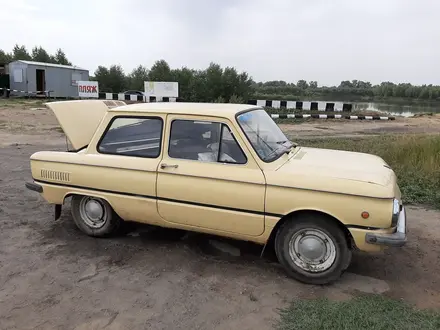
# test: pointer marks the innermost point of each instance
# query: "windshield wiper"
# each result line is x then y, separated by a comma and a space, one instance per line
291, 144
286, 151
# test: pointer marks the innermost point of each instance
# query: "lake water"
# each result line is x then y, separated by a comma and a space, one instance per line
393, 109
406, 110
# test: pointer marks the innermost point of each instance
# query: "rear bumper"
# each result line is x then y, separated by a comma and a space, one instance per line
34, 187
39, 189
397, 238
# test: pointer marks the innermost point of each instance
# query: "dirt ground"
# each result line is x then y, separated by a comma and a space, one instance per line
352, 128
54, 277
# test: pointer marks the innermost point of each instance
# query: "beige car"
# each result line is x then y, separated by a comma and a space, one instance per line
223, 169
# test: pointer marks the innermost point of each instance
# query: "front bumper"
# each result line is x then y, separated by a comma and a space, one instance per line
397, 238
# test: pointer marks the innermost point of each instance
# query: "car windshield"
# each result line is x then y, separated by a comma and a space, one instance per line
264, 134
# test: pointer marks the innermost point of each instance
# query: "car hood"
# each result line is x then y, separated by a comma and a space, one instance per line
79, 119
338, 171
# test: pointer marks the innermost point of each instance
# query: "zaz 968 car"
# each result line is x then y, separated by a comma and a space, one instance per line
223, 169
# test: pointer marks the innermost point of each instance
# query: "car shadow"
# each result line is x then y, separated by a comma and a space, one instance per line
137, 236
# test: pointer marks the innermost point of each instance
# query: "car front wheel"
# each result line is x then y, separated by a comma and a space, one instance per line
94, 216
312, 249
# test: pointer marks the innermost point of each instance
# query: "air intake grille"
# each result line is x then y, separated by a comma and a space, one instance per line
112, 104
55, 175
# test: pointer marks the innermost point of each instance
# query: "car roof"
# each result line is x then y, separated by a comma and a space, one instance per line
210, 109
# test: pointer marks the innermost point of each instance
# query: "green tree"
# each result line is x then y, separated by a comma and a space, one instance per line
410, 92
101, 75
61, 58
215, 82
345, 84
199, 86
111, 80
302, 84
313, 84
231, 82
187, 83
39, 54
5, 57
160, 71
245, 87
363, 84
20, 53
137, 77
117, 80
236, 99
424, 93
275, 83
434, 93
220, 99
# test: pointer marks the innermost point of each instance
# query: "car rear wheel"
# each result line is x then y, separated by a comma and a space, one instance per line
312, 249
94, 216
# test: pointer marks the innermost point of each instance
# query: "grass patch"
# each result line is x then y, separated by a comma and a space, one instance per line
362, 312
26, 102
298, 121
414, 158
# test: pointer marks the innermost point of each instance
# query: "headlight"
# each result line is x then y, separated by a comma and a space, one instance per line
396, 211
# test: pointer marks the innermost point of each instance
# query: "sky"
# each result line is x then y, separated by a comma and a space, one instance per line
323, 40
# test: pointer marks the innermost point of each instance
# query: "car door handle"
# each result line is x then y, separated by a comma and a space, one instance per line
162, 166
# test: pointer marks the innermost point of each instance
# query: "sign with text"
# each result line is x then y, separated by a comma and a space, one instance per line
88, 89
161, 88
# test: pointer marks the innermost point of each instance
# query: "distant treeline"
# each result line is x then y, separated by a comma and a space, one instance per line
217, 84
355, 90
38, 54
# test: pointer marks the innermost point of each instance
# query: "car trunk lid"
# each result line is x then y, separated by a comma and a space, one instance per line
79, 119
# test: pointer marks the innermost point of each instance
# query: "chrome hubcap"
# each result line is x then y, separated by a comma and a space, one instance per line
93, 212
312, 250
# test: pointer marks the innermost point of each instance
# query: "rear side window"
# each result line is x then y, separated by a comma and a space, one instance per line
133, 136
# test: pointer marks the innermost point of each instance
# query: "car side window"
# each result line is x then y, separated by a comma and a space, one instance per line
204, 141
133, 136
230, 151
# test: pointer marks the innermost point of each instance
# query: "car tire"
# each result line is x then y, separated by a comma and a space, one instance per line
312, 249
348, 260
94, 216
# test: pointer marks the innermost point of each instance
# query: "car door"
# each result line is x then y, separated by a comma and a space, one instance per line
207, 178
130, 150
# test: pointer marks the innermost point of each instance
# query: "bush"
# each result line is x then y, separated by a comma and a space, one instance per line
236, 99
